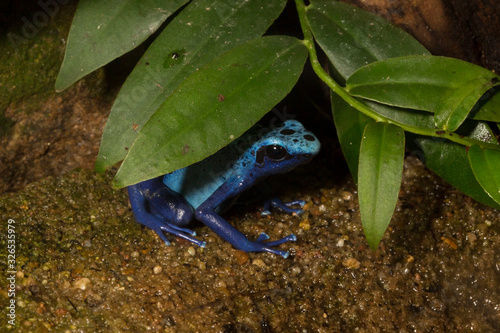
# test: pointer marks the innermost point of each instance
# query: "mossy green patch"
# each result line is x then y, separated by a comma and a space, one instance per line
32, 52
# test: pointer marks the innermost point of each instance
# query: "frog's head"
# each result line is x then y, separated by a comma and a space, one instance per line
285, 147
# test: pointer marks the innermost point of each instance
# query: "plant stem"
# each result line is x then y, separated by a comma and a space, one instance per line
359, 105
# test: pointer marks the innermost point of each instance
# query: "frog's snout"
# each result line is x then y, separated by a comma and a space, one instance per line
301, 142
312, 144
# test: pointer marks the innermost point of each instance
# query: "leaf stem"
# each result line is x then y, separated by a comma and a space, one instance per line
359, 105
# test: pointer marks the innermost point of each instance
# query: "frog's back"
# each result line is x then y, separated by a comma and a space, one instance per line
248, 158
198, 181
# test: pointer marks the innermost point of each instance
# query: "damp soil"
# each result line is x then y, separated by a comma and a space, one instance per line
84, 265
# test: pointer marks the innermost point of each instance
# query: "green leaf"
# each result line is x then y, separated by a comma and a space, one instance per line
477, 130
195, 37
449, 161
489, 106
350, 124
214, 106
104, 30
454, 108
380, 174
485, 164
449, 87
352, 37
408, 117
421, 119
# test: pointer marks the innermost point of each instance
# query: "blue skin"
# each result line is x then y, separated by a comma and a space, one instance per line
166, 205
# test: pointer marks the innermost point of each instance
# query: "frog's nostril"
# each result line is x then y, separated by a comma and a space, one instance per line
309, 137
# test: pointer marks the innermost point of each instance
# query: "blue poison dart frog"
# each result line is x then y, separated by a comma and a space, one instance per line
201, 190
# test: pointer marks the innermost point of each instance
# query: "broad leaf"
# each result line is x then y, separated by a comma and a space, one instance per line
449, 87
352, 37
485, 164
408, 117
195, 37
449, 161
379, 180
350, 124
477, 130
214, 106
489, 106
104, 30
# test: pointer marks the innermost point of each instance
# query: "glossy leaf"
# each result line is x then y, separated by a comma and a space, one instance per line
104, 30
445, 158
195, 37
489, 106
478, 130
408, 117
449, 161
449, 87
379, 180
350, 124
485, 164
214, 106
352, 37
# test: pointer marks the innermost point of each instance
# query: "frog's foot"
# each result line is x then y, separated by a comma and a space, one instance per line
285, 206
152, 205
160, 227
260, 245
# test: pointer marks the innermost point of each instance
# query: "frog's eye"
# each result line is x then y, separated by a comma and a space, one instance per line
273, 152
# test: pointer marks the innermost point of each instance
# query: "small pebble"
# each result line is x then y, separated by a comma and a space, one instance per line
60, 312
305, 225
259, 263
241, 257
202, 266
296, 270
157, 269
221, 284
346, 195
351, 263
471, 237
83, 283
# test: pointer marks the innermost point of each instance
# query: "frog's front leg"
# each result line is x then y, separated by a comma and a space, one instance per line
206, 214
161, 209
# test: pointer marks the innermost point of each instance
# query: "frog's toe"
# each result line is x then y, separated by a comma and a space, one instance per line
177, 231
284, 254
262, 237
184, 230
289, 238
260, 245
160, 233
300, 203
285, 206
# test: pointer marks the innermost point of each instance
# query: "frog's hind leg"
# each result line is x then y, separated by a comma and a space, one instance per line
159, 208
